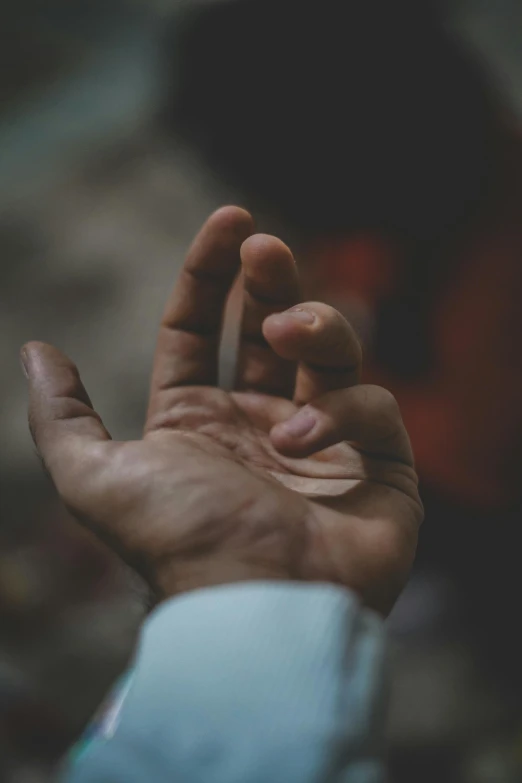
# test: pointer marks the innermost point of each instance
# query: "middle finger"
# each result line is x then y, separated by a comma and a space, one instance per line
271, 285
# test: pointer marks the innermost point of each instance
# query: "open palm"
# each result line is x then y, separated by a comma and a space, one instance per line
299, 473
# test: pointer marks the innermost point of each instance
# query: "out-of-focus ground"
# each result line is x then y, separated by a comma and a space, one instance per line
96, 211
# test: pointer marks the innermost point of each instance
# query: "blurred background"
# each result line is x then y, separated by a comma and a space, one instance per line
382, 140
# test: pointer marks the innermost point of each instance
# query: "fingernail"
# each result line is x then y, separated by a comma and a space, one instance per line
24, 362
305, 316
300, 425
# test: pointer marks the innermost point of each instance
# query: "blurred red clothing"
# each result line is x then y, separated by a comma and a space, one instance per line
464, 415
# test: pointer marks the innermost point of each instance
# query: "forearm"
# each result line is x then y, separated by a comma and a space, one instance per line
249, 683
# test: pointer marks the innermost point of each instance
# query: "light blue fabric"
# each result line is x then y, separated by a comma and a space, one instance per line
252, 683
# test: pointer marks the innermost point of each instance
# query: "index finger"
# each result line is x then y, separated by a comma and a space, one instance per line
271, 284
188, 340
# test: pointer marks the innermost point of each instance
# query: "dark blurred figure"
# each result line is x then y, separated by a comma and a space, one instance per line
376, 137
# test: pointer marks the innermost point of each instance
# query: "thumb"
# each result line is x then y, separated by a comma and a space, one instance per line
68, 434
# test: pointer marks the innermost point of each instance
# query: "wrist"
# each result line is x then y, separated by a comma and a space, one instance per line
174, 578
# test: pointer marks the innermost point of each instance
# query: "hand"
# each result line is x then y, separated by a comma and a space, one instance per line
298, 474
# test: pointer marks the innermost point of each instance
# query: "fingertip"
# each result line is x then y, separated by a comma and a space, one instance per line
283, 443
258, 245
290, 447
290, 319
30, 347
267, 261
24, 362
39, 356
29, 352
233, 217
288, 331
293, 437
34, 347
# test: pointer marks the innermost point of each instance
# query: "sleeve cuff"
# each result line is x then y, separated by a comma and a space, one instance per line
279, 682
